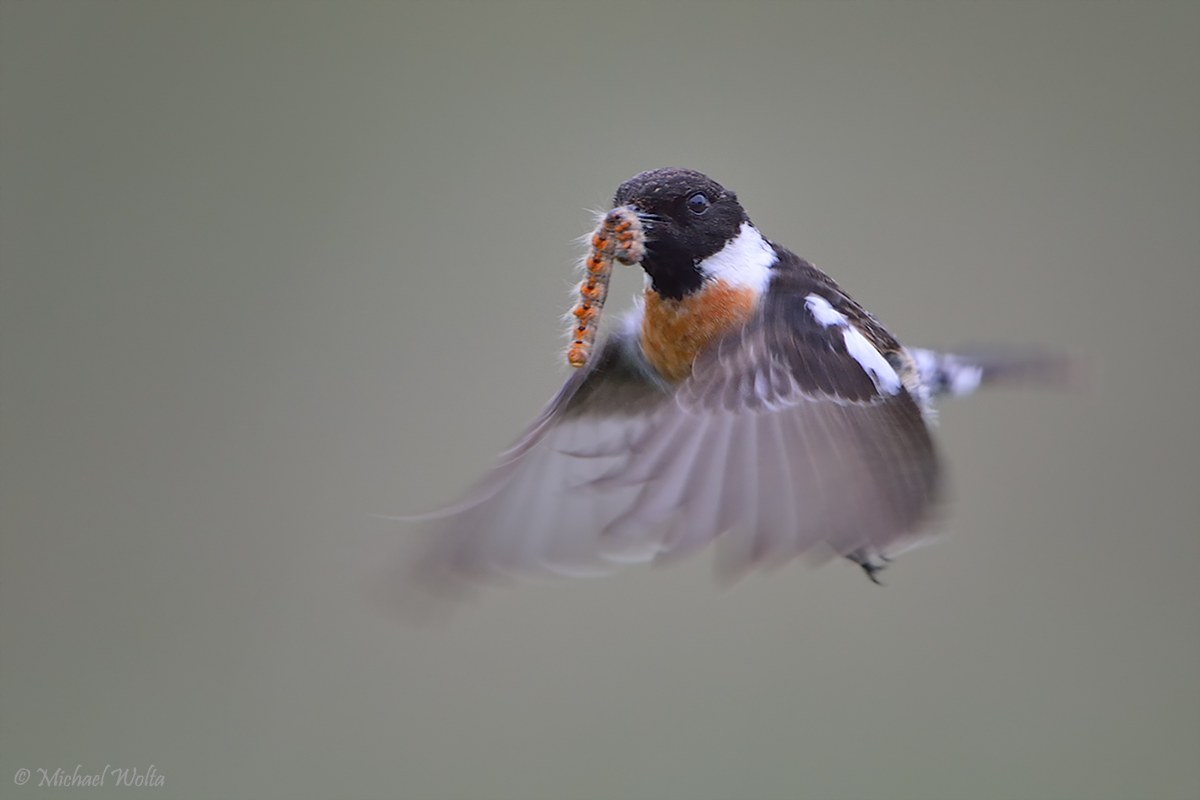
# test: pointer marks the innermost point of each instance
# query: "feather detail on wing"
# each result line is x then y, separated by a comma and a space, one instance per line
781, 441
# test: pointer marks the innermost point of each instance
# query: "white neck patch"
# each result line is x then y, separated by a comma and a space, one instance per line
744, 262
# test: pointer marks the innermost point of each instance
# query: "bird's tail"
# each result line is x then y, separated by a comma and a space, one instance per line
962, 372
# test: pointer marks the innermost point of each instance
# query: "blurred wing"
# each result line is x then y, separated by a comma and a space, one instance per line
791, 434
541, 510
810, 439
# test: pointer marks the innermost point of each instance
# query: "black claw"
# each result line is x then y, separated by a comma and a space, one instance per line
871, 567
873, 571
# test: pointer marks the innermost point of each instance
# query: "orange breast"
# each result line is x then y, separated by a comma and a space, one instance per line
675, 331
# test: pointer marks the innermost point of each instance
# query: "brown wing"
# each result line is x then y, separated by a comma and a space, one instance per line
806, 441
780, 442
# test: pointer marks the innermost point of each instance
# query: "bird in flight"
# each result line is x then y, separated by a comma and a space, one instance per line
745, 401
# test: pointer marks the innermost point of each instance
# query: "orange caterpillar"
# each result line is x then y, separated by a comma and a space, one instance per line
619, 236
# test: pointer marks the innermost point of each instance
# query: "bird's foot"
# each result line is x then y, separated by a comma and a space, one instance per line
872, 564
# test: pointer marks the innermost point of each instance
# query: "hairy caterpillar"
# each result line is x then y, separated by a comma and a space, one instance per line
620, 237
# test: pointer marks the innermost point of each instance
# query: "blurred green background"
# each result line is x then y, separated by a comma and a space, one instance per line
270, 269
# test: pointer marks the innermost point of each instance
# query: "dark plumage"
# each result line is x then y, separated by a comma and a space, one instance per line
797, 424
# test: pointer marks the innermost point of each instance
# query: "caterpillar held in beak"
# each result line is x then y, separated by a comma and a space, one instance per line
620, 237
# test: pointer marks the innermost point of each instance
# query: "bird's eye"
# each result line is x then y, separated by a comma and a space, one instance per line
698, 203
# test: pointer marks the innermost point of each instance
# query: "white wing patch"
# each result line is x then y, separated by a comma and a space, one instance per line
824, 313
881, 372
858, 346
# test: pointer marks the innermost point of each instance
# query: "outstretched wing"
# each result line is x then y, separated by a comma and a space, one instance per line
542, 509
795, 432
826, 445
